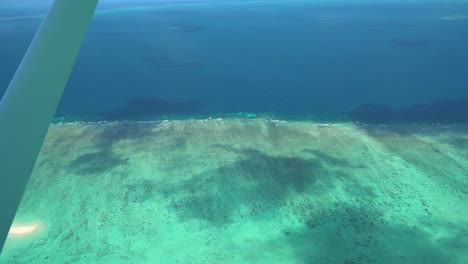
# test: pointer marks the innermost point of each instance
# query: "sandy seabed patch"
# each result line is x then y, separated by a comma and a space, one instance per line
248, 191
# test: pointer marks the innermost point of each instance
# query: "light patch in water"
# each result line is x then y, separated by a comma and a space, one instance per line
455, 17
18, 230
21, 18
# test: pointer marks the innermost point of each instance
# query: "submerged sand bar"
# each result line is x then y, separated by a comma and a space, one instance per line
248, 191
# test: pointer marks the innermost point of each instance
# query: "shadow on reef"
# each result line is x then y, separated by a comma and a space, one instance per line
361, 233
105, 158
145, 108
260, 186
96, 162
256, 185
445, 111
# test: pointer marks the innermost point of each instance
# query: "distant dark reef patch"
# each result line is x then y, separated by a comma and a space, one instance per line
166, 62
445, 111
401, 43
142, 108
185, 28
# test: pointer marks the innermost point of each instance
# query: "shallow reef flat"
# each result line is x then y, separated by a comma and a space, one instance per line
246, 191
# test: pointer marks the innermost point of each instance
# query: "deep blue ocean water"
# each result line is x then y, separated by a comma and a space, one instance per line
371, 62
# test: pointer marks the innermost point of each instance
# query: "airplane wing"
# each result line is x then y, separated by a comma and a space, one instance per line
31, 99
